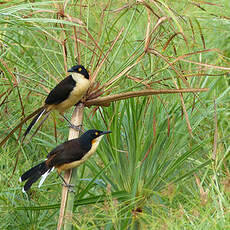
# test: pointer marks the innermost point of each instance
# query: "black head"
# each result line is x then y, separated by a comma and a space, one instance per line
93, 134
79, 69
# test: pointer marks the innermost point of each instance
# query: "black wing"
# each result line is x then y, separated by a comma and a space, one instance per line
61, 91
67, 152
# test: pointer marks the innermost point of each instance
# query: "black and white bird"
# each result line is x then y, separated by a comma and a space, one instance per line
64, 95
65, 156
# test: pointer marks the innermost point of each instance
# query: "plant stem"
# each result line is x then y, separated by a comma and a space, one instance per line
104, 101
70, 176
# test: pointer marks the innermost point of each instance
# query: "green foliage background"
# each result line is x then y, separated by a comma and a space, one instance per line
150, 173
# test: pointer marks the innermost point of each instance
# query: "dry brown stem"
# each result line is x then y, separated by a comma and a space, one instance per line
105, 101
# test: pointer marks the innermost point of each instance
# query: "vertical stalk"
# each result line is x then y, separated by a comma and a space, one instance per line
70, 176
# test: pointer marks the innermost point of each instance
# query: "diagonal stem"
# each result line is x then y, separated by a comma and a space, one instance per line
70, 176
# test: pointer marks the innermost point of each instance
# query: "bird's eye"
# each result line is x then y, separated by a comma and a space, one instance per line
96, 133
80, 69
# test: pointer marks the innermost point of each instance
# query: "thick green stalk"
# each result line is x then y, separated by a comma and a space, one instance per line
67, 202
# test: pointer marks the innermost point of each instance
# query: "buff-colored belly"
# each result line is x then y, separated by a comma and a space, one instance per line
82, 85
75, 96
74, 164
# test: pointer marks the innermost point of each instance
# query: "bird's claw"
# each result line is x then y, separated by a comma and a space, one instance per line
69, 186
76, 127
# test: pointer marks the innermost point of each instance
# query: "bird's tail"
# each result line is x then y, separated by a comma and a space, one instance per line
34, 121
32, 175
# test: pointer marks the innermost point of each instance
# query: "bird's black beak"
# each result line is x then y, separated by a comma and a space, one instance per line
105, 132
70, 70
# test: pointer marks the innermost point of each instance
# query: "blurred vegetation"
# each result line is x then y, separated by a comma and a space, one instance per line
153, 172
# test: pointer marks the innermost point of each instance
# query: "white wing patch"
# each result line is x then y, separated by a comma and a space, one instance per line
40, 116
43, 177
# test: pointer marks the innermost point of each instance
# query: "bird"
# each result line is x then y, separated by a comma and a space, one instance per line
64, 95
67, 155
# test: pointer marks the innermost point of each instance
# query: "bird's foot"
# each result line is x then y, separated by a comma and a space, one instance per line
76, 127
70, 187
